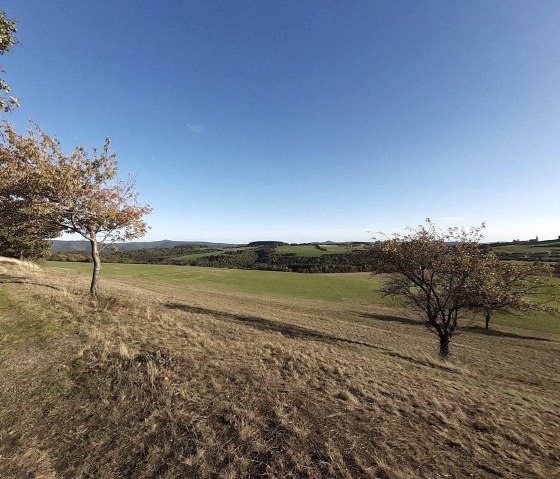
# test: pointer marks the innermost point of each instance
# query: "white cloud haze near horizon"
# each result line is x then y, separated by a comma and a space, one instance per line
245, 235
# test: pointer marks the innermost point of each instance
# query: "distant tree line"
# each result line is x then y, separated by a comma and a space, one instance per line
547, 256
261, 258
264, 257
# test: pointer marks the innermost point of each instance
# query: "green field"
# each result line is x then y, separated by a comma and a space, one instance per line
311, 250
334, 248
357, 288
215, 252
541, 247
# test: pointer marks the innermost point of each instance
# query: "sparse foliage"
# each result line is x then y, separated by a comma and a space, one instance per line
446, 275
8, 30
507, 287
75, 192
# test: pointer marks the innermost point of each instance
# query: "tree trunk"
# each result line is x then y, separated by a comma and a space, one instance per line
444, 345
96, 266
487, 318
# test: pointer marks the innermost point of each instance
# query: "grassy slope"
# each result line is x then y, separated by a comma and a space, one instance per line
528, 248
355, 288
359, 288
172, 379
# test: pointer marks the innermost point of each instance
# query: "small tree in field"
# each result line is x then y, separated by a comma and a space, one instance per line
434, 272
507, 287
76, 193
447, 275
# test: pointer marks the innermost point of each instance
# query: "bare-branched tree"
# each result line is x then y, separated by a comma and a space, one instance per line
446, 276
507, 287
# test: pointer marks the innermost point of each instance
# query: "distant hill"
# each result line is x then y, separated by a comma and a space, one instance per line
65, 246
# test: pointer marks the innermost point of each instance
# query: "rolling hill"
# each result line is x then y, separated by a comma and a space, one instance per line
68, 246
198, 372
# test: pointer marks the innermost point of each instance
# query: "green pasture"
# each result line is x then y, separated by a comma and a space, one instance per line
534, 321
214, 252
528, 248
311, 250
335, 248
352, 288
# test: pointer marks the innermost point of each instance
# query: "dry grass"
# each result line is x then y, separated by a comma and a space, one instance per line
178, 384
16, 268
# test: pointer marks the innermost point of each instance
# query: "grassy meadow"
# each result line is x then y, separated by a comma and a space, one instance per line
352, 288
541, 247
179, 372
214, 252
360, 288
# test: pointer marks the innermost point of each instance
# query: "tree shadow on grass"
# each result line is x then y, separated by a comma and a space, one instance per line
471, 328
392, 318
298, 332
263, 324
5, 279
493, 332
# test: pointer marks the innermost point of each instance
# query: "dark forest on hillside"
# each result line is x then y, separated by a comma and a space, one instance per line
263, 257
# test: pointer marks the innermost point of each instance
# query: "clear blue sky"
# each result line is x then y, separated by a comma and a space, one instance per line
306, 120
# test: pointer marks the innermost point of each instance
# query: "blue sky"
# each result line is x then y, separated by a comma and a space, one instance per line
306, 121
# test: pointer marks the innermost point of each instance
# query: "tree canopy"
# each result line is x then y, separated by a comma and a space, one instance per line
76, 192
8, 29
507, 287
445, 275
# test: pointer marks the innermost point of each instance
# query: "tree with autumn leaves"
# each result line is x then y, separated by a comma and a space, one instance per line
8, 29
507, 287
446, 277
43, 189
45, 192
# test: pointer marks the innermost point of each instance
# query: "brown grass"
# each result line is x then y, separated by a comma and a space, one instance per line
169, 383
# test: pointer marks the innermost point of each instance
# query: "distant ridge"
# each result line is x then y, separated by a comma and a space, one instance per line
66, 246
